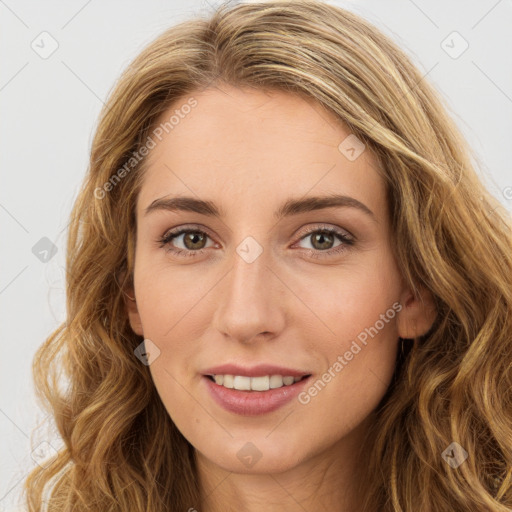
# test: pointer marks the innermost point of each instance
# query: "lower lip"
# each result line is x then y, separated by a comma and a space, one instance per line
252, 403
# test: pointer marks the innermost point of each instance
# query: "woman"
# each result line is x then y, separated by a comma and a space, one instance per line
287, 287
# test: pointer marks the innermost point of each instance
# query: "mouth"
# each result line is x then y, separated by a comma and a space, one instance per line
257, 384
254, 395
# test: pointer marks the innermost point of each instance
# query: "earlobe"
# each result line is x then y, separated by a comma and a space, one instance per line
417, 315
132, 310
133, 313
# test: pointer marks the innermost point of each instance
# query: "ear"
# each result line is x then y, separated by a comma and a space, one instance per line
132, 310
417, 315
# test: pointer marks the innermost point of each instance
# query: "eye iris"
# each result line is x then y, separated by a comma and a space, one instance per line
195, 236
321, 236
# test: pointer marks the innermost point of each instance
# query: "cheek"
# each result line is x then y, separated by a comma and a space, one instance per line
168, 306
359, 341
167, 297
353, 299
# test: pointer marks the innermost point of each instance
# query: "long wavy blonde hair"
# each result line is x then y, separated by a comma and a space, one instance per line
121, 449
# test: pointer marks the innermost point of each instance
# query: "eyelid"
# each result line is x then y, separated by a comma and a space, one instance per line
187, 227
327, 227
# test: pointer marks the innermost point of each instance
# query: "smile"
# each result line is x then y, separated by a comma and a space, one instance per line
251, 396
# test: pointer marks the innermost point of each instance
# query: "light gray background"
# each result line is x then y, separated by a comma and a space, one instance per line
49, 110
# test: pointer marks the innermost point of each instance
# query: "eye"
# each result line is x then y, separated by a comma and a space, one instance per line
322, 240
193, 241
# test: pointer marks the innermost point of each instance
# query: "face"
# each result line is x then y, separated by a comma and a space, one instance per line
265, 279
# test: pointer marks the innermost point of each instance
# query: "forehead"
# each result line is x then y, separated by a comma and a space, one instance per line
252, 146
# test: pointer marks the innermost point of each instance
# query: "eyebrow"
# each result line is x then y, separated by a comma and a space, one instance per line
291, 207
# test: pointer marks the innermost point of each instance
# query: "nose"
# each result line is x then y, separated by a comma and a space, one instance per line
251, 303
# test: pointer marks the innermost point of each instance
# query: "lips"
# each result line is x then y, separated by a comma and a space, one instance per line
251, 403
253, 390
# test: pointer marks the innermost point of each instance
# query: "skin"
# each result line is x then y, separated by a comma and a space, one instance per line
248, 151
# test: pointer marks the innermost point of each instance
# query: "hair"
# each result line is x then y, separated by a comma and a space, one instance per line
450, 236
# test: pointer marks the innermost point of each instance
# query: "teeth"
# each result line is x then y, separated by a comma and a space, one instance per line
276, 381
264, 383
242, 383
228, 381
260, 383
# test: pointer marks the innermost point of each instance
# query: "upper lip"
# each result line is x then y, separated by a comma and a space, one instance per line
254, 371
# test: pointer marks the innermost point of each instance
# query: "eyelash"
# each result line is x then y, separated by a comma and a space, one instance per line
347, 241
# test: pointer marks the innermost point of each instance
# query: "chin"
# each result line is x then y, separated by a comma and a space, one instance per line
258, 456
